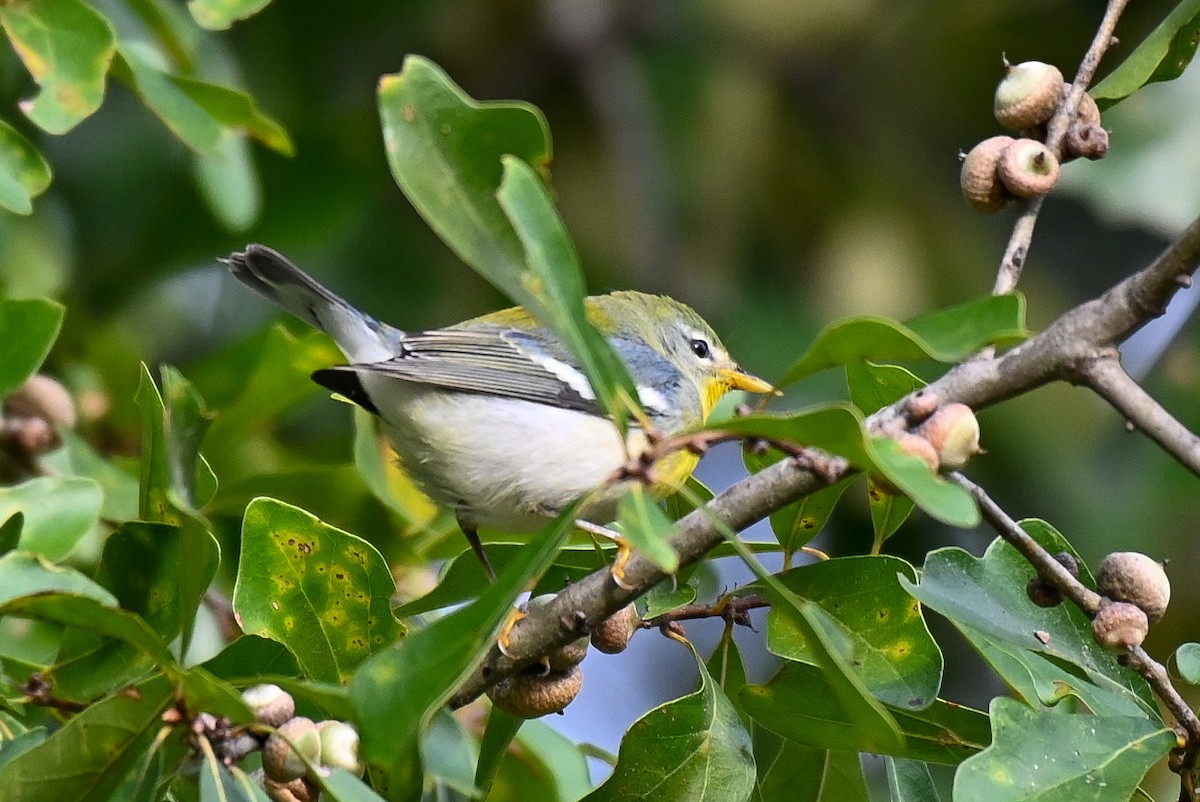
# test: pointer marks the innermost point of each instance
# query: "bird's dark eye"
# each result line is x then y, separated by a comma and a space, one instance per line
701, 348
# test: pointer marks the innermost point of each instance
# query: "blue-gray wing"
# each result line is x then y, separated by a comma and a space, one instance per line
499, 362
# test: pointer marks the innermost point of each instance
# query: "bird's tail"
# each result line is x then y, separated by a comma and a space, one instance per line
267, 272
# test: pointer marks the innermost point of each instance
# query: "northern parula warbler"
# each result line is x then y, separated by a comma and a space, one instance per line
493, 416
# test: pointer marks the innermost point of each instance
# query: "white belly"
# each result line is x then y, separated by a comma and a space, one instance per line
501, 463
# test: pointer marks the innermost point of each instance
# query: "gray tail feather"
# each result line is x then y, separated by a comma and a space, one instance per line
272, 275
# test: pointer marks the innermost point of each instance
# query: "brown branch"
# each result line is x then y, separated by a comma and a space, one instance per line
1109, 380
1017, 249
734, 609
1079, 335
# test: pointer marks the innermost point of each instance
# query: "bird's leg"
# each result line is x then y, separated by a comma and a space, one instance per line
472, 534
624, 551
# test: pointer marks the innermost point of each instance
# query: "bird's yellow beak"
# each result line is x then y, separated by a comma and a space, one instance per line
739, 380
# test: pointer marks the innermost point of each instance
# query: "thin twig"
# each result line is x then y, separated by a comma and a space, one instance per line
1156, 676
734, 609
1048, 568
1017, 249
1110, 381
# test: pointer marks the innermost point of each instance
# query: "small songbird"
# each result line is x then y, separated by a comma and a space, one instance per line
494, 417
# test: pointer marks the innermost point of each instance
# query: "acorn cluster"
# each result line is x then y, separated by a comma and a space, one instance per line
943, 436
295, 743
1136, 592
1002, 168
550, 684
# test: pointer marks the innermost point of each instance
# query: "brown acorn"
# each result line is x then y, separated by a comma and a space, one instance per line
613, 634
979, 179
531, 694
1132, 577
1028, 95
271, 704
1088, 141
42, 397
1028, 169
1119, 625
281, 762
297, 790
953, 431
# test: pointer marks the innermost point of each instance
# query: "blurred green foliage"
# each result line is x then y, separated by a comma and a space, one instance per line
776, 164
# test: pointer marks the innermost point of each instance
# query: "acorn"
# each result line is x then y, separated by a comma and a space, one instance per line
283, 763
339, 746
531, 694
953, 431
920, 405
1028, 95
613, 634
1119, 625
271, 704
1028, 169
1042, 593
1087, 112
42, 397
979, 179
1089, 141
1131, 577
297, 790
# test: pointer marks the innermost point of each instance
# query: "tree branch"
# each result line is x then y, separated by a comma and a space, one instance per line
1077, 337
1110, 381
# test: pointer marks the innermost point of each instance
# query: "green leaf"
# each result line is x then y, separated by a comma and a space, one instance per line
398, 690
788, 770
1032, 648
799, 522
646, 527
1162, 56
1187, 662
663, 598
495, 743
839, 428
469, 169
141, 66
10, 532
693, 749
27, 330
58, 512
221, 783
86, 759
67, 46
1043, 755
322, 592
910, 781
559, 756
342, 786
85, 677
23, 573
119, 485
24, 173
201, 690
11, 747
229, 183
800, 704
891, 649
873, 387
448, 753
173, 425
553, 288
236, 111
217, 15
249, 658
948, 335
157, 573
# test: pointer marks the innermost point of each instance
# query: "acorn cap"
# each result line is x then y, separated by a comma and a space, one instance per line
1119, 625
1028, 168
613, 634
271, 704
1028, 95
532, 695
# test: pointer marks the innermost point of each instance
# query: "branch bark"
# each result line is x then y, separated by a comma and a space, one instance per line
1076, 339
